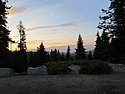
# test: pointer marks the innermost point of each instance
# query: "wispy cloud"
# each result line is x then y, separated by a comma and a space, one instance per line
50, 33
53, 6
16, 10
37, 41
70, 25
34, 41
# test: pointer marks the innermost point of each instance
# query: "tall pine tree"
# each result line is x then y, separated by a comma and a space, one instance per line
98, 47
21, 54
4, 33
114, 22
105, 45
102, 46
80, 50
22, 44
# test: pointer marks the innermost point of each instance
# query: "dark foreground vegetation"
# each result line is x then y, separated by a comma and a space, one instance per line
87, 67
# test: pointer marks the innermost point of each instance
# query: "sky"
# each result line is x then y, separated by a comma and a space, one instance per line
56, 23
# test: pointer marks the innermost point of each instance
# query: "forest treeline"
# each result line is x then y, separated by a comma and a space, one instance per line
20, 60
109, 44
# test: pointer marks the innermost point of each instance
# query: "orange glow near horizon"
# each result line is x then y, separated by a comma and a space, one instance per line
32, 45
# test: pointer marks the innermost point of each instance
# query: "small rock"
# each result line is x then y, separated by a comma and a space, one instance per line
74, 69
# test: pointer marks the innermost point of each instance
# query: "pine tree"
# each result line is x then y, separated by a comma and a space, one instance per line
98, 47
105, 39
80, 50
102, 46
33, 59
118, 33
4, 33
22, 44
30, 63
114, 22
105, 45
68, 56
90, 55
21, 54
58, 55
62, 57
51, 55
55, 55
42, 54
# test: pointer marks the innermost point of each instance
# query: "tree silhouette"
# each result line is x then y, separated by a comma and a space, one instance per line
21, 54
114, 22
4, 34
80, 50
105, 45
42, 54
55, 55
90, 55
33, 59
22, 44
62, 57
58, 55
102, 46
51, 55
98, 47
68, 56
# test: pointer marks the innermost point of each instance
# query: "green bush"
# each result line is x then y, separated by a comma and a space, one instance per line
95, 67
87, 67
57, 67
118, 60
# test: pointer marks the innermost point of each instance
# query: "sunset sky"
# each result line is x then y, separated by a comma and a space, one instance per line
56, 22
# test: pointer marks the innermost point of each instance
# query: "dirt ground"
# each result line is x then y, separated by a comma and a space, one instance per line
64, 84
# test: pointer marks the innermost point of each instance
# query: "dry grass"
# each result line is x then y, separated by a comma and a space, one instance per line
64, 84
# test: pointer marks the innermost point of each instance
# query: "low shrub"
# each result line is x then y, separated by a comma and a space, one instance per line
95, 67
87, 67
57, 67
118, 60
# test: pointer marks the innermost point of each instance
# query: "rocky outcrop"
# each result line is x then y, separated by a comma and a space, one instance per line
42, 70
118, 67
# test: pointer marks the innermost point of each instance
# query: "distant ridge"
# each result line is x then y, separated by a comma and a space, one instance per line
64, 48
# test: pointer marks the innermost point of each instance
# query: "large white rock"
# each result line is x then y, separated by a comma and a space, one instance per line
74, 69
42, 70
6, 72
